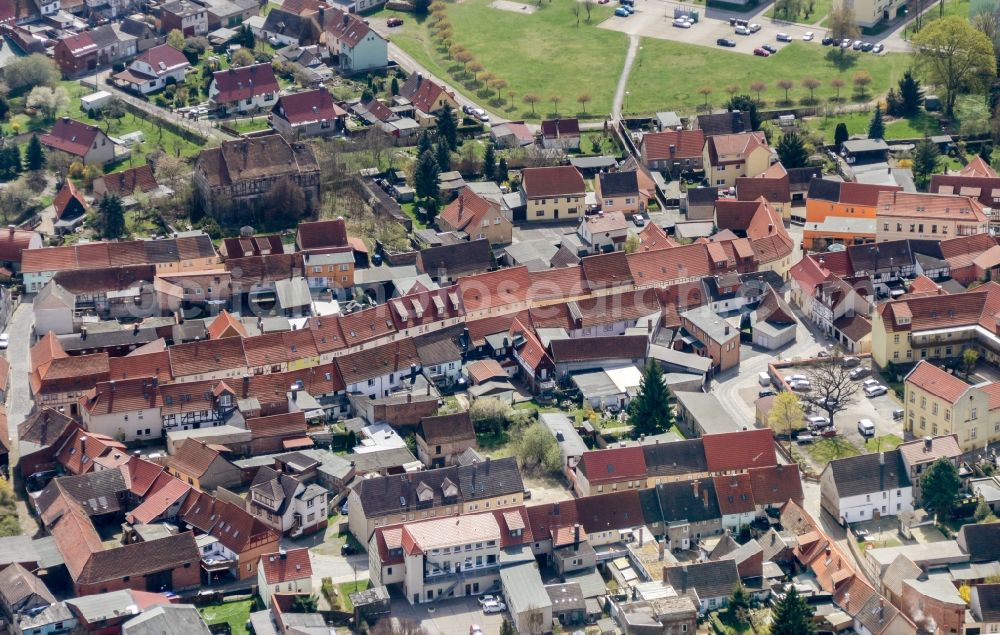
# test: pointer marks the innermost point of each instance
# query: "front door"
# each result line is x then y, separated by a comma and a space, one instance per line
468, 589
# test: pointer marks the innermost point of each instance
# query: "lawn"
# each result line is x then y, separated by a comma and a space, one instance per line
254, 124
857, 123
545, 53
347, 588
820, 9
236, 614
952, 7
652, 88
828, 449
883, 443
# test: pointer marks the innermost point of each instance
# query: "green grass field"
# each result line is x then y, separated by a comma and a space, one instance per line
828, 449
857, 123
544, 53
236, 614
347, 588
820, 9
883, 444
653, 87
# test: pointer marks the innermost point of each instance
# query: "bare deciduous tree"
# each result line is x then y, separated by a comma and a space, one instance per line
832, 389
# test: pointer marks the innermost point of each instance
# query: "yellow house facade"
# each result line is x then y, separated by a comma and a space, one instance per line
553, 193
939, 403
728, 157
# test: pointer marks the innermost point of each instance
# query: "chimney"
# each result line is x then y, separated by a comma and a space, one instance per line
409, 397
246, 385
282, 554
673, 149
881, 609
83, 332
881, 458
461, 207
576, 536
694, 488
660, 548
649, 326
704, 497
928, 442
10, 230
727, 330
346, 17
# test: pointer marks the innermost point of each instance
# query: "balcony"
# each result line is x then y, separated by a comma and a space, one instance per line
466, 571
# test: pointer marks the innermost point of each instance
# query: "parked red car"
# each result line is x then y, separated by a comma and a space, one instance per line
761, 53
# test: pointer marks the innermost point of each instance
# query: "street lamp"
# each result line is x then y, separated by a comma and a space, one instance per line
627, 93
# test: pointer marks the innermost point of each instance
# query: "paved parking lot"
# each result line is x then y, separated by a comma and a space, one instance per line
448, 617
877, 409
654, 18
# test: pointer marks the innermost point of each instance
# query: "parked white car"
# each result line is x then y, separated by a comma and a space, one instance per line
494, 607
876, 390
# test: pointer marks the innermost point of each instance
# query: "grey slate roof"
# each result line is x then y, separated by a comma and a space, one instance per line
677, 501
672, 459
398, 493
170, 619
987, 596
865, 474
618, 183
981, 542
711, 579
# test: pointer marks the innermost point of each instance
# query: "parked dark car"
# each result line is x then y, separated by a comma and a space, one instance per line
827, 41
770, 49
724, 41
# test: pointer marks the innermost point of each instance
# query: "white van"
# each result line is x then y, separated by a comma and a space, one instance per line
866, 428
764, 379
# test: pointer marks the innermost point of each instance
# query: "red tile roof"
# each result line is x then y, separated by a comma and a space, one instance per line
735, 494
495, 288
727, 149
72, 137
163, 59
67, 193
774, 485
688, 144
737, 451
245, 82
986, 189
322, 234
80, 44
936, 381
165, 492
422, 92
286, 566
155, 364
468, 210
124, 396
607, 270
930, 206
563, 180
194, 458
309, 106
978, 167
126, 182
613, 465
558, 128
207, 356
550, 284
